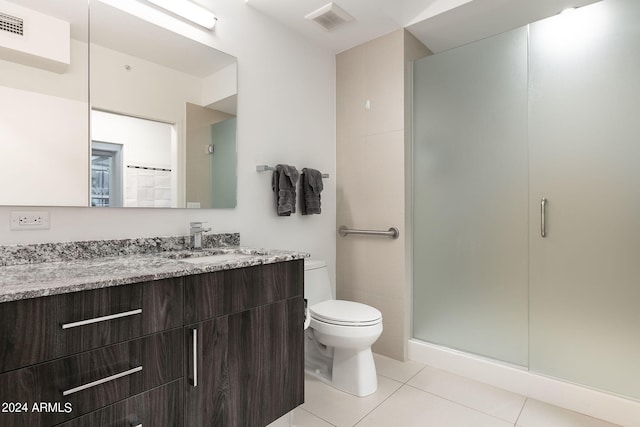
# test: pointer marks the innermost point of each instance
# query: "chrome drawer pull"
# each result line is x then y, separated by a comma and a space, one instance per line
101, 319
101, 381
195, 356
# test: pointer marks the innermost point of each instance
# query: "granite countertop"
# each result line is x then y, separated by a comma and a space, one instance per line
22, 281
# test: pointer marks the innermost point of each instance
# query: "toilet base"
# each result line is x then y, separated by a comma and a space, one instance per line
354, 371
350, 370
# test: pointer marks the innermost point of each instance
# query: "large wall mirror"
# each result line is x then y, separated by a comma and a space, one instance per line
155, 126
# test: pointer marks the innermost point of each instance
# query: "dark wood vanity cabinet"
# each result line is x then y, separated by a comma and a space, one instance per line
245, 357
215, 349
67, 355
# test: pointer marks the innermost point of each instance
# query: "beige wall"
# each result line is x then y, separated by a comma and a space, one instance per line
371, 135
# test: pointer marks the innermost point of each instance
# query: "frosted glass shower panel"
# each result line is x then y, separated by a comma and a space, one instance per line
585, 148
470, 200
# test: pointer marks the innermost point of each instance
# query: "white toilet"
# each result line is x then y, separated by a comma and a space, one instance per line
339, 335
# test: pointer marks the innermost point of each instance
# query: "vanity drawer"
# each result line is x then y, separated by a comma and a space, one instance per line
76, 385
159, 407
40, 329
230, 291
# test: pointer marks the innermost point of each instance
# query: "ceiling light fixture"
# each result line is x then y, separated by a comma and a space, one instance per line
188, 10
567, 10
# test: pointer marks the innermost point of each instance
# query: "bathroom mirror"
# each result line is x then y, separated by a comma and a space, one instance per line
162, 113
44, 122
166, 105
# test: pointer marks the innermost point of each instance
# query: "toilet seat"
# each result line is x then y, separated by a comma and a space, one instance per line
345, 313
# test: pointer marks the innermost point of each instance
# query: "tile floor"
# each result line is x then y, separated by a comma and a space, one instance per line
412, 394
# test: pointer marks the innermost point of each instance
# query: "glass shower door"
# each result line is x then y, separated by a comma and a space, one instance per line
585, 154
471, 198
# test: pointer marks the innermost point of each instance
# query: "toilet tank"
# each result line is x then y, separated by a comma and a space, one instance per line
317, 287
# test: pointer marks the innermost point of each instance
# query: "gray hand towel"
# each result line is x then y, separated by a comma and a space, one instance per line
311, 189
285, 179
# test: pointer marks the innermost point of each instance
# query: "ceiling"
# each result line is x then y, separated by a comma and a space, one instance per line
439, 24
134, 36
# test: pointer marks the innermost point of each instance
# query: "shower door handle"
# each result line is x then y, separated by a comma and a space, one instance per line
543, 217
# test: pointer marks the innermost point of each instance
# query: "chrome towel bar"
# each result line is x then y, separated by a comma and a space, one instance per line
393, 232
264, 168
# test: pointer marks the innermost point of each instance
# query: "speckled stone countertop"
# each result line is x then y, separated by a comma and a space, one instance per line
36, 279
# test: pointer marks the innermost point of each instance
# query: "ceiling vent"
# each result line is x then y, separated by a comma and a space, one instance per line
11, 24
329, 16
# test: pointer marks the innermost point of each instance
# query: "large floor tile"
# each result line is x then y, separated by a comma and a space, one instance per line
343, 409
302, 418
410, 407
490, 400
539, 414
399, 371
284, 421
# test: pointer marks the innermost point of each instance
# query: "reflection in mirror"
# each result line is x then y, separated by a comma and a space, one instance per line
170, 103
139, 71
133, 161
211, 136
106, 174
44, 128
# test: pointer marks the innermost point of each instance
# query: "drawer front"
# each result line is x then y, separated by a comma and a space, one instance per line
66, 388
41, 329
231, 291
159, 407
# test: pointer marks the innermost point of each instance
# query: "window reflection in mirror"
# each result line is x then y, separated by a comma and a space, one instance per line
106, 174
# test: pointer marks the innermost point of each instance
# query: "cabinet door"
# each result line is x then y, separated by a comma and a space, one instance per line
584, 292
266, 362
161, 406
206, 373
249, 366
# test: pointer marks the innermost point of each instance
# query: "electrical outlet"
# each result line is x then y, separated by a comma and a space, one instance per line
36, 220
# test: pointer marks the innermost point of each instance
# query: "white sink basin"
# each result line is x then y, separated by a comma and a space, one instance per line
210, 259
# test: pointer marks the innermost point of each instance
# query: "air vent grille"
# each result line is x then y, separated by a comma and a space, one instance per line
329, 20
11, 24
329, 16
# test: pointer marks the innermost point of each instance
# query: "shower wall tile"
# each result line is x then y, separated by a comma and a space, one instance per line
370, 181
351, 93
385, 83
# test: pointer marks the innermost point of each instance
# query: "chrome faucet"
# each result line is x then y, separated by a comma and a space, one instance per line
195, 230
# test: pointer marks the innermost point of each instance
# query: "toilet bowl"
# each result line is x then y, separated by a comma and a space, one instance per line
339, 336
